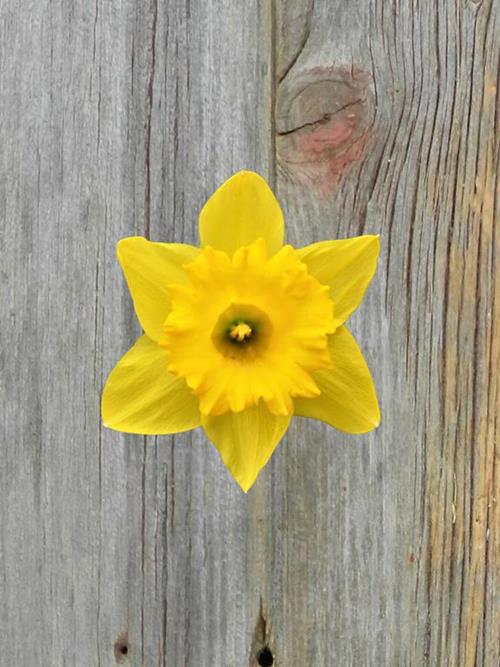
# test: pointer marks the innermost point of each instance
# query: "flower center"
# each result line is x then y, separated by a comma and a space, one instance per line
249, 328
240, 332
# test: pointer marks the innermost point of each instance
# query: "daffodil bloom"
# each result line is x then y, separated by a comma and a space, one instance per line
244, 332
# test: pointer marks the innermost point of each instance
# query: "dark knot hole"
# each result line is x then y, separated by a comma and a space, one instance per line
122, 649
265, 657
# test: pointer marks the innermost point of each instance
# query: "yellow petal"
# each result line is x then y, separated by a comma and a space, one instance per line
149, 267
242, 210
347, 266
348, 400
246, 440
141, 396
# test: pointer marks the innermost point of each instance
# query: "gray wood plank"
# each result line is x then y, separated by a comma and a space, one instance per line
117, 119
386, 124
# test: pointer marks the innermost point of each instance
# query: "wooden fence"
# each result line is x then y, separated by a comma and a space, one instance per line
119, 118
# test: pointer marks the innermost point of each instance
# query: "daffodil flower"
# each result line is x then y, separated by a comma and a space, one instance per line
244, 332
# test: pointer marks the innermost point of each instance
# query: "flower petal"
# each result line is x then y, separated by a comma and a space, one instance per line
246, 440
142, 396
149, 267
242, 210
348, 400
347, 266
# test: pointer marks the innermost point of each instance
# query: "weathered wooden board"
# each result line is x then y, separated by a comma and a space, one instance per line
120, 118
398, 105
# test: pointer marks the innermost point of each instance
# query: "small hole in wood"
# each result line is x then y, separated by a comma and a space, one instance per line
265, 657
121, 648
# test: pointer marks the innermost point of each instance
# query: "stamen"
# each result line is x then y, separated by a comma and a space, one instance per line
240, 332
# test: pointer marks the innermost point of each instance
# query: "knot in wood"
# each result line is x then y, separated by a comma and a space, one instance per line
324, 118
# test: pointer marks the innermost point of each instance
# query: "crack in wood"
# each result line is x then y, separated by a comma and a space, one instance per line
327, 117
260, 638
147, 131
303, 42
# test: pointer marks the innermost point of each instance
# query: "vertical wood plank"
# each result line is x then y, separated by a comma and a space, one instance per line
118, 118
386, 124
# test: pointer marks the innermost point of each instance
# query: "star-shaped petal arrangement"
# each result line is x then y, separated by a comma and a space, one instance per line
244, 332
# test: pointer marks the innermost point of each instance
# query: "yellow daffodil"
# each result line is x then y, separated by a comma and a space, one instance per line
244, 332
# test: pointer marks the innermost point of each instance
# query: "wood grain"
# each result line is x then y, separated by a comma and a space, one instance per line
410, 550
120, 118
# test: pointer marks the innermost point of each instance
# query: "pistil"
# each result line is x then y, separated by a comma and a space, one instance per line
240, 332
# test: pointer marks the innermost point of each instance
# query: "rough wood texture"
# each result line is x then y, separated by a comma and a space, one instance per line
120, 118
